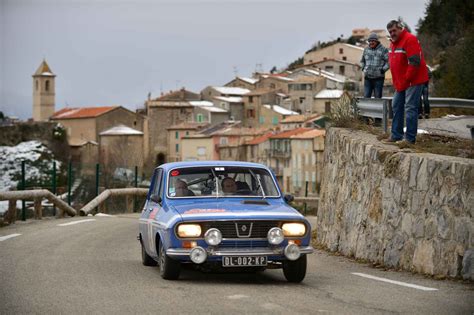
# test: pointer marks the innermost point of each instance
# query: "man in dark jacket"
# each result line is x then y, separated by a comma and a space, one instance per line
409, 73
374, 65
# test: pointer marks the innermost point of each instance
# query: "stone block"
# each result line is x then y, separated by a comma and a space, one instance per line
468, 265
423, 257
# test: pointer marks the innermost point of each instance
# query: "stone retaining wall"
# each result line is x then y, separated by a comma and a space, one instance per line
397, 208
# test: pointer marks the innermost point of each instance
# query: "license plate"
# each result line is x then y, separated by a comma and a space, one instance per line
244, 261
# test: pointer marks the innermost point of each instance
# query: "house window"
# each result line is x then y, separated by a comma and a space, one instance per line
302, 100
176, 135
200, 117
272, 85
261, 119
329, 68
223, 141
342, 69
183, 111
344, 58
341, 51
275, 121
250, 99
187, 133
250, 113
46, 86
177, 147
37, 85
327, 107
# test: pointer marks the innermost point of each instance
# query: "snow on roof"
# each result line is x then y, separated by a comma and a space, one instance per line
353, 46
329, 94
214, 109
121, 130
249, 80
201, 103
280, 110
277, 77
231, 90
229, 99
327, 75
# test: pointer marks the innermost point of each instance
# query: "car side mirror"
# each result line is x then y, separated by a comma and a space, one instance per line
288, 198
156, 198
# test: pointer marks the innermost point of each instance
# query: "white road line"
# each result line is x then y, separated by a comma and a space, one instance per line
3, 238
404, 284
76, 222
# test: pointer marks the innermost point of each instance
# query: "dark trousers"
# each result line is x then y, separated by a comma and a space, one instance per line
425, 102
374, 86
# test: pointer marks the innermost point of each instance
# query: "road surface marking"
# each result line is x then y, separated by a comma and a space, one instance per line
76, 222
103, 215
3, 238
404, 284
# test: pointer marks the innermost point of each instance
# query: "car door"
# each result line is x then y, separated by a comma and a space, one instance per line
154, 208
147, 210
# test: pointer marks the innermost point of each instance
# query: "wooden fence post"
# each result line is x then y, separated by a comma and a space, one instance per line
11, 214
38, 208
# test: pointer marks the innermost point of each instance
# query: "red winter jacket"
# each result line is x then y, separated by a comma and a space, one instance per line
407, 63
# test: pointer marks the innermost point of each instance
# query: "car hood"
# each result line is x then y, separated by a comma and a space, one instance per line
235, 210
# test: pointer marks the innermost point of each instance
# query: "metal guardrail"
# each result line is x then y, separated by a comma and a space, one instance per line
380, 108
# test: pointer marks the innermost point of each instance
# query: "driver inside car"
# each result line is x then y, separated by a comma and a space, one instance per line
182, 189
229, 186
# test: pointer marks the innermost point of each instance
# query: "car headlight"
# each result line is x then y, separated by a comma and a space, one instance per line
275, 236
293, 229
189, 230
213, 237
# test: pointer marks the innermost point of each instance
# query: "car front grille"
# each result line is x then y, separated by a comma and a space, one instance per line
242, 229
243, 243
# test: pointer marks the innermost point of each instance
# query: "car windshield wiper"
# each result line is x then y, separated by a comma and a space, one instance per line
217, 182
259, 183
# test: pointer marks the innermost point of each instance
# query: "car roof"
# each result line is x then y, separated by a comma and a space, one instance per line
169, 166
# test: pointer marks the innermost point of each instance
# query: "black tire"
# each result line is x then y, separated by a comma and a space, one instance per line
146, 259
295, 271
169, 268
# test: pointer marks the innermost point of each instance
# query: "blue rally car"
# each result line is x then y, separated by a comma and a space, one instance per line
221, 214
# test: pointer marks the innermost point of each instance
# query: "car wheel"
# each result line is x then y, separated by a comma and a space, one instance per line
146, 259
169, 268
295, 271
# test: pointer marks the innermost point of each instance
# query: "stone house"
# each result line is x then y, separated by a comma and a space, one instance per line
84, 124
257, 150
162, 112
351, 70
332, 80
280, 152
175, 135
206, 112
323, 100
121, 148
300, 121
342, 51
228, 98
307, 150
273, 82
243, 82
302, 91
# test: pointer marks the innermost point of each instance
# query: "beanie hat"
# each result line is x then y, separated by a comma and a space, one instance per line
373, 36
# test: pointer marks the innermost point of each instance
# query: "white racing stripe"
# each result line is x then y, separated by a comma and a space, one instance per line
76, 222
3, 238
404, 284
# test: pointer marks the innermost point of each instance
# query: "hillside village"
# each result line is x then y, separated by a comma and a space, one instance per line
275, 118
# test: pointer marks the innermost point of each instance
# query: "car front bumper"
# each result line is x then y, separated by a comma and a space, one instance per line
219, 252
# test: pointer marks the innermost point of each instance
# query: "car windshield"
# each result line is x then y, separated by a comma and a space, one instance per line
221, 181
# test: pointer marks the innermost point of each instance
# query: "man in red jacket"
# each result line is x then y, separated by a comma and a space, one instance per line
409, 73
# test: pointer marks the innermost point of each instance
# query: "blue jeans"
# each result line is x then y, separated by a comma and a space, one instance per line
373, 85
406, 101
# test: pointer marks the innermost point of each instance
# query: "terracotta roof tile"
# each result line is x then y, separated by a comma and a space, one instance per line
289, 133
260, 139
82, 112
309, 134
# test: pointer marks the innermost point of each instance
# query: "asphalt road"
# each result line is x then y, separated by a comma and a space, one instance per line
95, 267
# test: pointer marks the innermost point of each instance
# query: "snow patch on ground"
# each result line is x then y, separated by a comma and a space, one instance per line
38, 166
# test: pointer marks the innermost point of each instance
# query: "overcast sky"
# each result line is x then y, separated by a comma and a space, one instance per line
115, 52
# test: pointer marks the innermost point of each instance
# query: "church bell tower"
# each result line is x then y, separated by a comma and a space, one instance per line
43, 93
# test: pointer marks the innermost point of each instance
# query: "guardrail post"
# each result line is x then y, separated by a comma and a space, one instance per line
38, 209
11, 214
69, 182
385, 116
23, 186
54, 186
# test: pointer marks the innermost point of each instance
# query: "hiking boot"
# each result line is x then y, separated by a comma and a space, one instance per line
389, 141
404, 142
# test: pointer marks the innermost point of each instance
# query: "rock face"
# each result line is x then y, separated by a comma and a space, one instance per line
406, 210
